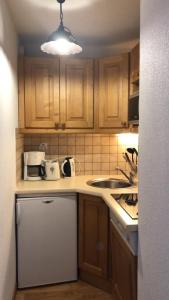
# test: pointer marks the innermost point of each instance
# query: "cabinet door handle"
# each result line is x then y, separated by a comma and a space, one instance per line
124, 124
63, 126
99, 246
18, 214
47, 201
56, 125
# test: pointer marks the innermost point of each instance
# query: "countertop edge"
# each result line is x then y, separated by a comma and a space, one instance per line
121, 215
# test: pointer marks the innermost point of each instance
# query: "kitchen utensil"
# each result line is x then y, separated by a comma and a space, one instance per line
131, 151
136, 153
132, 165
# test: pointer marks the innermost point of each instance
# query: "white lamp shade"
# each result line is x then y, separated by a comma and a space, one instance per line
61, 47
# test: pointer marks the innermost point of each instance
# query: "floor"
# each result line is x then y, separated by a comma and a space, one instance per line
72, 291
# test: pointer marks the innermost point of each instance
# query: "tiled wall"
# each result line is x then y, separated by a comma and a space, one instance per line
97, 153
19, 151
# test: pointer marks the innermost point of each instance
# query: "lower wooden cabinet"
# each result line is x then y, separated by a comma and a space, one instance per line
105, 260
124, 268
93, 235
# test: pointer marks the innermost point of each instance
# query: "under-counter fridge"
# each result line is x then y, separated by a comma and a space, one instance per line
46, 239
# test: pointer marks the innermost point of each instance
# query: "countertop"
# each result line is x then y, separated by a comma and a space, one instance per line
78, 184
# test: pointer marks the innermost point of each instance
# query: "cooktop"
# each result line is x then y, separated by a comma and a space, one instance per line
129, 202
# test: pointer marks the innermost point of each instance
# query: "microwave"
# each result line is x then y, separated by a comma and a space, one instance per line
133, 109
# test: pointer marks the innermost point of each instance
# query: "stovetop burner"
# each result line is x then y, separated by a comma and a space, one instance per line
129, 202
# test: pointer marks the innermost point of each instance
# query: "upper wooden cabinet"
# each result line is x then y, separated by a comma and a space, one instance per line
113, 92
134, 69
41, 92
57, 93
76, 92
73, 94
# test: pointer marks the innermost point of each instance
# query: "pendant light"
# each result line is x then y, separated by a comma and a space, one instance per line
61, 41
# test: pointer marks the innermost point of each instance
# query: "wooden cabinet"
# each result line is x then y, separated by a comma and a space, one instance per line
124, 268
134, 69
41, 92
113, 92
71, 94
93, 235
76, 92
58, 93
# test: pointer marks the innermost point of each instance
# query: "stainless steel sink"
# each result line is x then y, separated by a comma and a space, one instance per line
110, 183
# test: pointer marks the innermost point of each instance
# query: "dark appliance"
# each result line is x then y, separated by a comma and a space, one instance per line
133, 109
129, 202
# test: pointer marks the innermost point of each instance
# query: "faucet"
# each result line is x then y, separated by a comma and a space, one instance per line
130, 178
133, 169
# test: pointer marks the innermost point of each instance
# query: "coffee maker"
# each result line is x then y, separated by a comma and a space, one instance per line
33, 165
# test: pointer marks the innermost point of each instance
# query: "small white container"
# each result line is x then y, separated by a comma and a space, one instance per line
52, 170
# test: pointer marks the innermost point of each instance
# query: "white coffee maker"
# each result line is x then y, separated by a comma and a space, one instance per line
33, 165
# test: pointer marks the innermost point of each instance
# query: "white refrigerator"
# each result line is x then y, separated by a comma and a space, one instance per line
46, 239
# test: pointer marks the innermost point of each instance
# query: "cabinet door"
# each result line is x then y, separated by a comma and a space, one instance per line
124, 269
46, 240
113, 91
41, 92
93, 236
134, 69
76, 92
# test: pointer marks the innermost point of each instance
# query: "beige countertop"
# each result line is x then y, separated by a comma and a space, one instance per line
78, 184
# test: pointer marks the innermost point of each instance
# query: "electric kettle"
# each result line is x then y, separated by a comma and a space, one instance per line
52, 170
68, 167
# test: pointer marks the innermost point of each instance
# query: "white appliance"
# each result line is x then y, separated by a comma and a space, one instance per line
33, 168
46, 239
52, 170
129, 237
68, 167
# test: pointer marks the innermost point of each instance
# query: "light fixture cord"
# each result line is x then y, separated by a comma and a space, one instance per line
61, 14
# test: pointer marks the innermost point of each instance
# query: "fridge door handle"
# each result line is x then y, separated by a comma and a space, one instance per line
48, 201
18, 214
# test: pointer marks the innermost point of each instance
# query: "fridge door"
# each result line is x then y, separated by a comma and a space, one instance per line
46, 240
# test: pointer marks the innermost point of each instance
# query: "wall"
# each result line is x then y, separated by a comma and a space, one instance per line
8, 122
19, 158
97, 153
154, 152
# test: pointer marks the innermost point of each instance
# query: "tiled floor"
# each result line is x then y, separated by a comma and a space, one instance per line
71, 291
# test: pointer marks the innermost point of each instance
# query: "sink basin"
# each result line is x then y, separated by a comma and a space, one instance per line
110, 183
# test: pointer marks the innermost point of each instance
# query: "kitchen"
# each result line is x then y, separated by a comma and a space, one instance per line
98, 146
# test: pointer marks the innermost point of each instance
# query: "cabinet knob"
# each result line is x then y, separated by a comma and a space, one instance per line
124, 124
59, 125
99, 246
63, 126
56, 125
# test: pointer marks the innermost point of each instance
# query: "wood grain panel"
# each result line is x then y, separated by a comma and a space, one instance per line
72, 291
134, 69
21, 92
76, 92
113, 91
93, 235
124, 269
41, 92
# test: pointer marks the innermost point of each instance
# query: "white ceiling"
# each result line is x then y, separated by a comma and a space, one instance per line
93, 22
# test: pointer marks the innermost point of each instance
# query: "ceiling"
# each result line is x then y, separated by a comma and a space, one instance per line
93, 22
